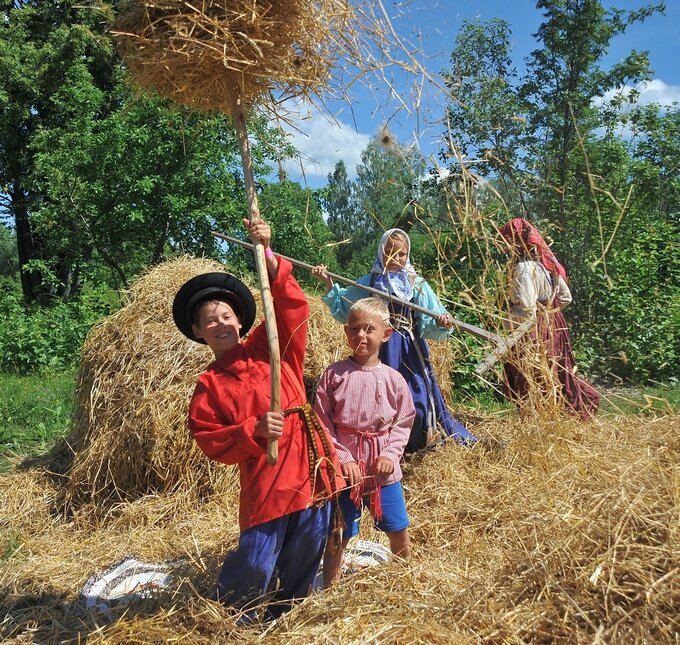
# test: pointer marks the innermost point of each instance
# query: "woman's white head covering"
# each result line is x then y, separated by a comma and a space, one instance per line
398, 283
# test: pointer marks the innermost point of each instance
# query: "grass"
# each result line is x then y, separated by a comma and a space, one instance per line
34, 412
655, 399
620, 400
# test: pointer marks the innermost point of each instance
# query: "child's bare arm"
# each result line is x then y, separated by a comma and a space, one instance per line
320, 272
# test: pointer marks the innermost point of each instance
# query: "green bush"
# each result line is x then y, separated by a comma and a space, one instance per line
635, 328
9, 261
36, 339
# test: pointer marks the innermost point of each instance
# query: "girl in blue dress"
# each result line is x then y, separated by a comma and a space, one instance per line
406, 350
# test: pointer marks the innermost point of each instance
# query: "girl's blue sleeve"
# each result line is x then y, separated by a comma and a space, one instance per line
425, 297
340, 299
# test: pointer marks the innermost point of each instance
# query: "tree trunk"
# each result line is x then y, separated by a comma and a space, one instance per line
30, 280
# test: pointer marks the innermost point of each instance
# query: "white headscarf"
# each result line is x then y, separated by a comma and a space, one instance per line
398, 283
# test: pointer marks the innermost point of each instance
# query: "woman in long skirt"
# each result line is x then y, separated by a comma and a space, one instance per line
542, 370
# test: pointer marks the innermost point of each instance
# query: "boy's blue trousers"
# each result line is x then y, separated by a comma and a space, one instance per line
281, 557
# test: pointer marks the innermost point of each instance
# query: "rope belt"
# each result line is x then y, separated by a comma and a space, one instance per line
549, 305
313, 429
368, 486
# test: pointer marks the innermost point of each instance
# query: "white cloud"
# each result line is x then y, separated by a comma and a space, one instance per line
654, 91
322, 142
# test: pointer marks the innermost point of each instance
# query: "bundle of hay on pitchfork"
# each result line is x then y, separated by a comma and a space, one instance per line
210, 56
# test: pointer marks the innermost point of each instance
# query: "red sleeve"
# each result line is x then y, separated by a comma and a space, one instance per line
215, 436
292, 316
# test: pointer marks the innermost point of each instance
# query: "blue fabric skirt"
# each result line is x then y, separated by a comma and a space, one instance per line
410, 356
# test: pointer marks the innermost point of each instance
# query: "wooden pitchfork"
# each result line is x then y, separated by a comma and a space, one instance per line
502, 344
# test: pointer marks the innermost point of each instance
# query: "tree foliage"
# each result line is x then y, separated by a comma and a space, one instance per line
99, 183
9, 263
343, 213
298, 227
123, 191
384, 195
599, 181
484, 120
53, 58
35, 338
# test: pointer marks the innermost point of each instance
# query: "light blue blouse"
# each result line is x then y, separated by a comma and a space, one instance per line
339, 300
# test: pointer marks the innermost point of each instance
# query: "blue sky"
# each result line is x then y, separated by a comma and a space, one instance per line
429, 27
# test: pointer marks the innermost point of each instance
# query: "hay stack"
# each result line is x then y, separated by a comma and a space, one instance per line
197, 54
136, 377
135, 382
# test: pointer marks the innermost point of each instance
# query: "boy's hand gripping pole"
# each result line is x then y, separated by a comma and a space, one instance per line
261, 266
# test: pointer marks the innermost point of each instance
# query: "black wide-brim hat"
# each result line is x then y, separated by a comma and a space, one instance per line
213, 286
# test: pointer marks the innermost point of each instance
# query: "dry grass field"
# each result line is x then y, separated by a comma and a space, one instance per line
569, 535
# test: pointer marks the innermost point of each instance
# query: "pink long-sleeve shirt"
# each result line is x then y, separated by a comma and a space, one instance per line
368, 412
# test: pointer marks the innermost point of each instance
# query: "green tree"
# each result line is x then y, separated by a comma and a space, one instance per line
339, 203
640, 295
8, 252
384, 195
95, 177
485, 124
563, 79
148, 179
298, 227
387, 185
609, 203
45, 48
657, 159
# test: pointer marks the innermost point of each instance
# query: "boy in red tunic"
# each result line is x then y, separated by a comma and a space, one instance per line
284, 512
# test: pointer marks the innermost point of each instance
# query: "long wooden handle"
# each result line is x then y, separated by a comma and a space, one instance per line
261, 266
458, 324
503, 344
504, 347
